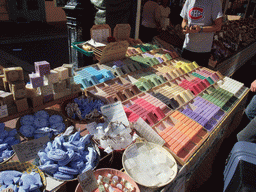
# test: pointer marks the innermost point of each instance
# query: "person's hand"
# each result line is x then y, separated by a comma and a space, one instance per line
253, 86
194, 29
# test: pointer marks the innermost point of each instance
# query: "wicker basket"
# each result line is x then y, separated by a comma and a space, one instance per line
77, 120
105, 172
26, 167
66, 121
17, 137
131, 151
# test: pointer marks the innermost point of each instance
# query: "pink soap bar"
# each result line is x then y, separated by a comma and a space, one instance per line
42, 68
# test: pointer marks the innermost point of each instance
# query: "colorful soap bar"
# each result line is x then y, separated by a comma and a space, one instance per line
36, 80
42, 67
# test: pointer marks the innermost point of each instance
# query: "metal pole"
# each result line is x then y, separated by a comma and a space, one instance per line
137, 27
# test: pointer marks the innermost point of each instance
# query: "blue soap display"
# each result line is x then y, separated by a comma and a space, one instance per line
84, 108
90, 76
7, 139
20, 182
66, 157
43, 124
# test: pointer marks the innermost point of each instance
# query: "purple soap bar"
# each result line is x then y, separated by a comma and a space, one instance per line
36, 80
219, 115
48, 98
42, 68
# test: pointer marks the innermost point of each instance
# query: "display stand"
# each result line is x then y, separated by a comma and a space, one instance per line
198, 169
232, 64
227, 67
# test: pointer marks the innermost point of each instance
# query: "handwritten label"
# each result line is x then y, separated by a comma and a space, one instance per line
87, 181
115, 112
28, 150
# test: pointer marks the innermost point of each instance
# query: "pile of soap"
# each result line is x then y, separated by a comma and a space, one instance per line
7, 139
84, 108
111, 136
41, 124
20, 182
65, 158
114, 183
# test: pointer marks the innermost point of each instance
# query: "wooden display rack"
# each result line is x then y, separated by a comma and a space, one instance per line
229, 66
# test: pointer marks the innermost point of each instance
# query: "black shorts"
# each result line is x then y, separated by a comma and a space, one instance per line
201, 59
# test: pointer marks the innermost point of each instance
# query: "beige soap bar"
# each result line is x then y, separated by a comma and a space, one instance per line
13, 74
52, 77
62, 73
46, 90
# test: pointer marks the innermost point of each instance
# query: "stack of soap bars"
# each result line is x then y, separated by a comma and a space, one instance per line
204, 112
182, 135
90, 76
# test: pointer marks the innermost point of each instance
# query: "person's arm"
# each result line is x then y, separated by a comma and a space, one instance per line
207, 29
253, 86
184, 26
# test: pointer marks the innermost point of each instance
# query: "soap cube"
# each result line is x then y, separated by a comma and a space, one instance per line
1, 81
42, 68
7, 98
36, 80
69, 81
12, 74
60, 86
62, 94
52, 77
6, 85
12, 109
22, 104
4, 111
32, 92
76, 88
62, 73
19, 94
36, 101
70, 69
46, 90
17, 85
48, 98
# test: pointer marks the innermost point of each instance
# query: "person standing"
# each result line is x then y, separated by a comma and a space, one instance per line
201, 18
150, 24
164, 14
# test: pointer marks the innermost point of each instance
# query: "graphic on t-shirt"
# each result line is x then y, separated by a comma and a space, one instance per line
196, 13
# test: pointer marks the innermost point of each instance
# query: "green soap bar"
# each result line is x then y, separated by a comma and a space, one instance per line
156, 61
209, 79
168, 56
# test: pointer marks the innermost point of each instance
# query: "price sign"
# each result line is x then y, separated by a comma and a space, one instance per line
28, 150
87, 181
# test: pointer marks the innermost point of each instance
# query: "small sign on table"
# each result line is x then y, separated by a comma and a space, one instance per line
27, 151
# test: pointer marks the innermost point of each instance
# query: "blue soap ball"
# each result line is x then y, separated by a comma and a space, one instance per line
27, 130
41, 122
27, 120
55, 119
42, 114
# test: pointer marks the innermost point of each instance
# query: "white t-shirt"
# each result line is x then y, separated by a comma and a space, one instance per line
150, 13
202, 13
164, 16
